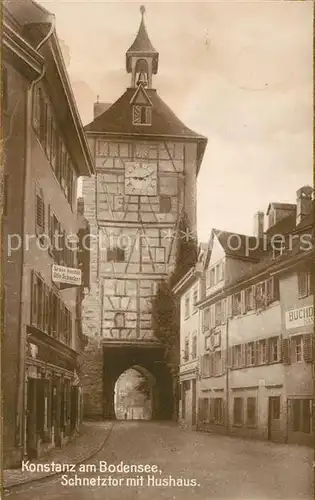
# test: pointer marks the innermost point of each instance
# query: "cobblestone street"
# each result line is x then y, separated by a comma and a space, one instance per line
222, 467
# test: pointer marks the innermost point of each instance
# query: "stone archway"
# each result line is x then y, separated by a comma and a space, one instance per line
132, 402
149, 360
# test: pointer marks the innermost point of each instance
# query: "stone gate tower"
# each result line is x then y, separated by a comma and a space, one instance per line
147, 163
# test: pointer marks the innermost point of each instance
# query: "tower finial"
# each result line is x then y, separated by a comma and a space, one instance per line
142, 10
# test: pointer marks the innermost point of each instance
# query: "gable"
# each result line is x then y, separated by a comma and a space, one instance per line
216, 252
140, 97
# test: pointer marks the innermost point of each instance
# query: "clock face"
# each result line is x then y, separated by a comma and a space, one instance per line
141, 178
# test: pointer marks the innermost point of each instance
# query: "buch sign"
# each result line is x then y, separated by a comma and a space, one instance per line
66, 275
299, 317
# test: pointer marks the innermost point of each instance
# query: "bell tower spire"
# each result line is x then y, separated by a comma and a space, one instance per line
142, 58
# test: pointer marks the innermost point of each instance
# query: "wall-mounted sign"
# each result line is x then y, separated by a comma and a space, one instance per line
299, 317
66, 275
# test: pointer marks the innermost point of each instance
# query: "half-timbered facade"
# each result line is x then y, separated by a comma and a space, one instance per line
146, 164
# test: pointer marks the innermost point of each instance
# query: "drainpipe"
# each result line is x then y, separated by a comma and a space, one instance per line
21, 396
227, 381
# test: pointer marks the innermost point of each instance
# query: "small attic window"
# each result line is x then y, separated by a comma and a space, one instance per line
141, 115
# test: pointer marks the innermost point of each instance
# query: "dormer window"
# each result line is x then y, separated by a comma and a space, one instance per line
142, 115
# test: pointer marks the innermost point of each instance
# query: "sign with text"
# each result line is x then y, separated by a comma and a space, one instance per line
66, 275
299, 317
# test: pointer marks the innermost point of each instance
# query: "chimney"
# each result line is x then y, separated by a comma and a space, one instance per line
303, 203
100, 108
80, 206
259, 220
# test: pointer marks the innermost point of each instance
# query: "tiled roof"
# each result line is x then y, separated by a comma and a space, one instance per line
283, 226
281, 206
240, 245
142, 42
118, 119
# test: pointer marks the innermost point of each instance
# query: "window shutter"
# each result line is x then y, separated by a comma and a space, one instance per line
223, 310
256, 352
302, 284
230, 357
212, 414
243, 309
39, 212
286, 351
212, 316
229, 306
243, 354
47, 310
223, 361
253, 297
276, 288
34, 301
307, 348
280, 353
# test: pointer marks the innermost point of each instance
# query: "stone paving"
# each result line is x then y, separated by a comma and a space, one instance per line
89, 441
213, 468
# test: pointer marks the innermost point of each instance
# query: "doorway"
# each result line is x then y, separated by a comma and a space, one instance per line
274, 414
31, 440
194, 402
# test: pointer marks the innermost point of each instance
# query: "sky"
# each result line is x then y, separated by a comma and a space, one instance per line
239, 73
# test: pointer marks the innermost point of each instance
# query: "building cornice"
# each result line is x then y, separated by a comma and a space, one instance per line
21, 52
272, 270
76, 120
186, 280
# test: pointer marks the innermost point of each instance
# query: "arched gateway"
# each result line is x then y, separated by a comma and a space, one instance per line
147, 163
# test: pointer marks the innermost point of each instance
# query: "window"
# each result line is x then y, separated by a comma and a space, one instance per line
218, 313
42, 119
206, 365
237, 356
40, 212
5, 194
206, 319
251, 411
249, 299
186, 350
262, 352
187, 306
297, 349
141, 115
275, 407
238, 411
204, 409
194, 347
165, 204
212, 277
218, 415
250, 353
220, 275
303, 284
236, 303
217, 363
195, 299
278, 246
119, 320
116, 254
48, 313
274, 354
44, 124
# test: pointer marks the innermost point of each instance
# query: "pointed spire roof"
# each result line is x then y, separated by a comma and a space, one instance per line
142, 46
142, 41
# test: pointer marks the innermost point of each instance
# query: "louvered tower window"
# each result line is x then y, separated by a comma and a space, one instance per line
142, 115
